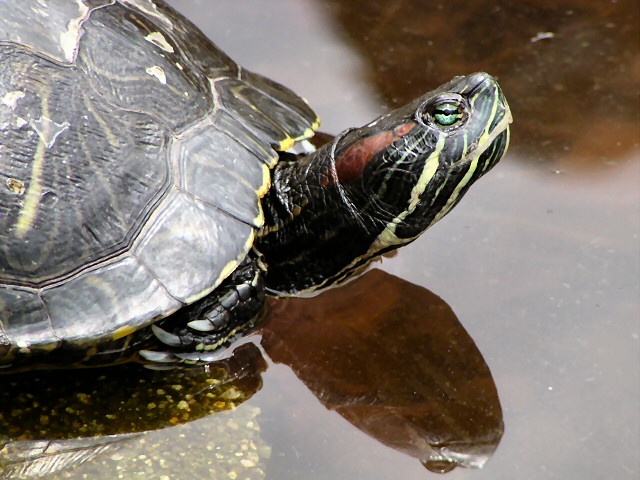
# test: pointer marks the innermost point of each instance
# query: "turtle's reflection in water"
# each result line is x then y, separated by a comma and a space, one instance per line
388, 356
96, 421
393, 359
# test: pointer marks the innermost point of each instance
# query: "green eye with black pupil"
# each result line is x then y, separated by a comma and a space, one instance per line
447, 114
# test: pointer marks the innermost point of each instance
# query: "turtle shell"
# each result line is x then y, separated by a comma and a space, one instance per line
133, 156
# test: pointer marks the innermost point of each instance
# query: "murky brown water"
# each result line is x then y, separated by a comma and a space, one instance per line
538, 268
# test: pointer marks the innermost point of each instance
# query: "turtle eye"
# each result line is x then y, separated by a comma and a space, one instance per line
447, 114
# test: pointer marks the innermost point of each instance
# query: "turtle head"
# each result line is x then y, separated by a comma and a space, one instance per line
376, 188
408, 168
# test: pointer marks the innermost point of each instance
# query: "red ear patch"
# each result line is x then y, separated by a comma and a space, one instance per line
351, 162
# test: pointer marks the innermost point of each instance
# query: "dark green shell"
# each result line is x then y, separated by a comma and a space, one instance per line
133, 156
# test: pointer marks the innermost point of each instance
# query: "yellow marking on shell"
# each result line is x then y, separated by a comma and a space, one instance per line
248, 244
157, 72
286, 144
134, 78
122, 332
151, 9
258, 221
273, 160
266, 181
309, 132
30, 209
227, 270
158, 40
265, 230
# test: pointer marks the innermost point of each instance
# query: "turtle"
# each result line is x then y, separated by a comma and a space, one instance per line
152, 191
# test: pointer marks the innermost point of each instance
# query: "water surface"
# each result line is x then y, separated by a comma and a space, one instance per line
538, 267
540, 261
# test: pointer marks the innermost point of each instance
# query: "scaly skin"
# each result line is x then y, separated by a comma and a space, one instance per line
379, 187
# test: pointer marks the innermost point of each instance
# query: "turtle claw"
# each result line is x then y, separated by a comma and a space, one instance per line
203, 331
157, 357
201, 325
159, 367
191, 357
217, 355
206, 356
167, 338
169, 360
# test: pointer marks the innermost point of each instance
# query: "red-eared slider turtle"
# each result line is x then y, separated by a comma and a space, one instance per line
140, 177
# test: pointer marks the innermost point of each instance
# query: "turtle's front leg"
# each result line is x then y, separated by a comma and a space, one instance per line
198, 332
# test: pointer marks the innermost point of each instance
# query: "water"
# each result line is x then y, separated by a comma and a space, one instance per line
540, 261
537, 269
